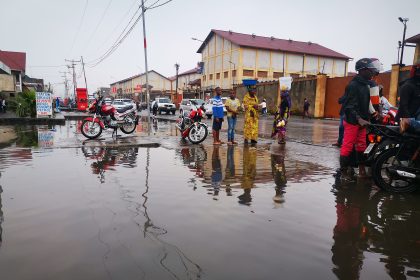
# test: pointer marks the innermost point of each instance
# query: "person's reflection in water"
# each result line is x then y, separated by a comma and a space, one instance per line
1, 217
279, 175
249, 174
216, 174
350, 238
230, 169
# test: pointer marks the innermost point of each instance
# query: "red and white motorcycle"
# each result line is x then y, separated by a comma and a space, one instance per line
106, 116
191, 126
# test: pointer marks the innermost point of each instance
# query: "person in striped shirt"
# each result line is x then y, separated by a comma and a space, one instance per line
217, 116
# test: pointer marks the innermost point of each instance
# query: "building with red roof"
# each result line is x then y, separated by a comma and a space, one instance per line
229, 57
12, 71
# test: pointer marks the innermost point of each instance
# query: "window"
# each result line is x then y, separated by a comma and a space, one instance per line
211, 77
277, 75
248, 73
226, 74
233, 73
217, 76
262, 74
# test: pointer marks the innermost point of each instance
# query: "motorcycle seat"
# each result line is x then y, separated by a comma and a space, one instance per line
124, 109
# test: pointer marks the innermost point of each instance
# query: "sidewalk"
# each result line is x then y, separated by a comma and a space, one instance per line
10, 118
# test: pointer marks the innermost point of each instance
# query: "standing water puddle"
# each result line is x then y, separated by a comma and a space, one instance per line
193, 212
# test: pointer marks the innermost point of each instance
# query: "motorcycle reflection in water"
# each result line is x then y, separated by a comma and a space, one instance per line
375, 222
106, 158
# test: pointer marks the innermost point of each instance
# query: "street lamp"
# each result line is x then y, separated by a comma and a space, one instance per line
176, 82
403, 21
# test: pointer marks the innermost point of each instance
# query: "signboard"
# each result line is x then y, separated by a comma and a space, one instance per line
45, 138
285, 83
43, 104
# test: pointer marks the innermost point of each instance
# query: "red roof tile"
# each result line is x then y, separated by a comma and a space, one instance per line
192, 71
271, 43
414, 39
15, 60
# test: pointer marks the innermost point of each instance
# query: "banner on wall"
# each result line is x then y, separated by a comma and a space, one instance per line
43, 104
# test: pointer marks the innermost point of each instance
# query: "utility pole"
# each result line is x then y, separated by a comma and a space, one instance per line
73, 63
66, 87
403, 21
84, 72
145, 62
176, 82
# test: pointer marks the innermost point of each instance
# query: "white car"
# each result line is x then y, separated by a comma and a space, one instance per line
118, 104
187, 105
209, 107
164, 105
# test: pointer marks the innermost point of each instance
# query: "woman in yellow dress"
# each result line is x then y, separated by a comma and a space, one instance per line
250, 103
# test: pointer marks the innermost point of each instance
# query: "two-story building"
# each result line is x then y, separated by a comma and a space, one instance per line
229, 57
189, 83
12, 71
135, 86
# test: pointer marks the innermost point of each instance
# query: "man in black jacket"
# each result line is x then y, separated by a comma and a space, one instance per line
409, 110
356, 116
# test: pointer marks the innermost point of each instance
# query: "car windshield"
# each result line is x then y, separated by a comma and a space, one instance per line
118, 103
164, 100
197, 101
127, 100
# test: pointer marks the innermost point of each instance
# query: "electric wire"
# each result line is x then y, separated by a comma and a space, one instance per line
160, 5
99, 23
80, 26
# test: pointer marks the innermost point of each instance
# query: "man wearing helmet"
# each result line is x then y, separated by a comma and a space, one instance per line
356, 116
409, 110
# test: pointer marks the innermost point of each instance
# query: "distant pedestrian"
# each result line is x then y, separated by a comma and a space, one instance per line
232, 106
251, 115
57, 104
339, 142
3, 103
217, 116
264, 107
282, 116
306, 105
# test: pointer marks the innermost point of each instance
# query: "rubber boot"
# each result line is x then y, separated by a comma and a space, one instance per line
361, 161
344, 169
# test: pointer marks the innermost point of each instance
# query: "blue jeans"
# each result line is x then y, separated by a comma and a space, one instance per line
341, 131
231, 128
415, 125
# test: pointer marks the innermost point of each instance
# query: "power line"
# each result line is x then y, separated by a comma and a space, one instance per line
99, 23
160, 5
80, 26
95, 62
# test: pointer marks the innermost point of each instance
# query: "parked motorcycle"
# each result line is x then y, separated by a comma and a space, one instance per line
106, 116
396, 167
191, 126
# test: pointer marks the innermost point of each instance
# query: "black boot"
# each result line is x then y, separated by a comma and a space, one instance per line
344, 169
361, 160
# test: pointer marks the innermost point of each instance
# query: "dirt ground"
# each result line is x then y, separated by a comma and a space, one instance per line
7, 134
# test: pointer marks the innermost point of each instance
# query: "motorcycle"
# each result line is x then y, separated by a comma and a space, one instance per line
191, 127
106, 116
396, 167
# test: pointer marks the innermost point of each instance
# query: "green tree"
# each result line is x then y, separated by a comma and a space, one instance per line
24, 105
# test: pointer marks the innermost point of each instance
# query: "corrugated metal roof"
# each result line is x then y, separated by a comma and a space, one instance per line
414, 39
271, 43
136, 76
15, 60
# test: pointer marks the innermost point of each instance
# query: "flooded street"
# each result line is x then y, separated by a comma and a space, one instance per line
76, 209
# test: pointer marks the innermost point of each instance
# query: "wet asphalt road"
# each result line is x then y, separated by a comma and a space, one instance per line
153, 207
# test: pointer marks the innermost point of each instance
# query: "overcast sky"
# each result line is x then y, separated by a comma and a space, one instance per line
50, 31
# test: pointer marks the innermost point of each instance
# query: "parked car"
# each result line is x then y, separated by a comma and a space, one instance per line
164, 105
119, 104
187, 104
108, 101
209, 107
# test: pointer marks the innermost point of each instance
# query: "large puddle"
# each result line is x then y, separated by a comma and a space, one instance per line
193, 212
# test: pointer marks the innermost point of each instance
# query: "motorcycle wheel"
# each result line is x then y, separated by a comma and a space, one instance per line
198, 133
91, 129
129, 124
387, 181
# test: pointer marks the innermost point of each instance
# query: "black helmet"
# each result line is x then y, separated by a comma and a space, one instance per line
365, 63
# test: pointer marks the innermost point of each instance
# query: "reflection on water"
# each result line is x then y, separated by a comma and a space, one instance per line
236, 167
374, 222
1, 217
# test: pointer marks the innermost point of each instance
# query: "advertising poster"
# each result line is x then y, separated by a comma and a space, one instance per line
43, 104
